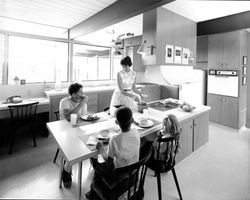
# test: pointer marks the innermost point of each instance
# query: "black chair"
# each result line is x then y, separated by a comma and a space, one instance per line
127, 181
57, 151
165, 161
22, 114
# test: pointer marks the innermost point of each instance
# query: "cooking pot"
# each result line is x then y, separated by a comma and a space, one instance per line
141, 106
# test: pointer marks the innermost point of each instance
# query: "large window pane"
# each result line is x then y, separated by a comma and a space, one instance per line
37, 60
91, 63
116, 65
1, 57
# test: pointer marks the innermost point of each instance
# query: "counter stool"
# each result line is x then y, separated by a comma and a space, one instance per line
22, 114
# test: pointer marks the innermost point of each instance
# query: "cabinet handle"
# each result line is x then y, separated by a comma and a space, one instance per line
194, 124
191, 126
180, 130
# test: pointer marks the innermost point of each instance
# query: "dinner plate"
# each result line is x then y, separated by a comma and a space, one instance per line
89, 117
149, 123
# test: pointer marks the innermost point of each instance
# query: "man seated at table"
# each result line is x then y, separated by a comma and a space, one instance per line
76, 103
123, 148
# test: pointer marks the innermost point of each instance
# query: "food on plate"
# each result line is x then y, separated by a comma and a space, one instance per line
144, 121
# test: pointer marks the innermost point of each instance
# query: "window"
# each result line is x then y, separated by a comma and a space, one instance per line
116, 65
37, 60
91, 63
1, 57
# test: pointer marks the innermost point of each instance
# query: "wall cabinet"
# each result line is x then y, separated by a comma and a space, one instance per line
224, 109
194, 134
224, 50
202, 53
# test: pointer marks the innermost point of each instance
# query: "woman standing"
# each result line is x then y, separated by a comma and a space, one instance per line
126, 94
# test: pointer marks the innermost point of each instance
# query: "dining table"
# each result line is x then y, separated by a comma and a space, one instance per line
74, 144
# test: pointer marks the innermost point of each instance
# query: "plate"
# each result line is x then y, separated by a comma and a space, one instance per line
89, 117
149, 123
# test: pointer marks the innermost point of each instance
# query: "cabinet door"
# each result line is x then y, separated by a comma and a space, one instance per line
104, 99
200, 131
214, 101
231, 50
137, 60
202, 49
92, 102
186, 140
215, 51
153, 92
229, 111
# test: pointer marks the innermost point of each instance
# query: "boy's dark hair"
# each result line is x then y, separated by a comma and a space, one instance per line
126, 61
74, 88
124, 116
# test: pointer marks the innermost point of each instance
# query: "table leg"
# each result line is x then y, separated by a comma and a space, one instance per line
60, 172
79, 180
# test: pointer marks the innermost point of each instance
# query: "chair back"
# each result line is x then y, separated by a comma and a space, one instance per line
135, 175
57, 114
171, 145
23, 112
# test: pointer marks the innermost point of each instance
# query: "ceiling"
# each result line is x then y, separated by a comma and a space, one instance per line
55, 17
47, 16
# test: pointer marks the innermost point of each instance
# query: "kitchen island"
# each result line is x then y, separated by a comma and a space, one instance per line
194, 126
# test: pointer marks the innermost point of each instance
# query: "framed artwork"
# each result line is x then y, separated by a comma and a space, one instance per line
244, 60
185, 56
244, 70
177, 55
244, 80
169, 56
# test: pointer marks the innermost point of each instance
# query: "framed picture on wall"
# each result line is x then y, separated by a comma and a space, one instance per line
169, 56
244, 80
177, 55
244, 60
244, 70
185, 56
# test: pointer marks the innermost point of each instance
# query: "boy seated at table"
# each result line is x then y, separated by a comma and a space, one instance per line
123, 148
76, 103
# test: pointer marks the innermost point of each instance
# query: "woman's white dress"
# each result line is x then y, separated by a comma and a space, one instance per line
127, 79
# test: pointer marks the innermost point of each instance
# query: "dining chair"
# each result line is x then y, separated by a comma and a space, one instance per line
57, 151
165, 161
127, 182
22, 114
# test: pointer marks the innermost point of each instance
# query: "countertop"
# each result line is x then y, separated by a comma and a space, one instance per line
86, 89
181, 115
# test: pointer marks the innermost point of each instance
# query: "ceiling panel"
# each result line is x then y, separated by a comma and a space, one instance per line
57, 13
106, 35
205, 10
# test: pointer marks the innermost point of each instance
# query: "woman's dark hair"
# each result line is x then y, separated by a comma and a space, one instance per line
126, 61
124, 116
74, 88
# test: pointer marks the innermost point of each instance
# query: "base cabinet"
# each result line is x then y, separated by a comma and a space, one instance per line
186, 140
200, 131
224, 109
194, 134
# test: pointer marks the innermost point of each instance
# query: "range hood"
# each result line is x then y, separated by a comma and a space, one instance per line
172, 75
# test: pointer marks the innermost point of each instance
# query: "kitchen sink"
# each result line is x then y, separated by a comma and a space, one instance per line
163, 106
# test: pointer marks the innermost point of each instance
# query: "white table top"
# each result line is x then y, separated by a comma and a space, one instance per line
68, 137
42, 101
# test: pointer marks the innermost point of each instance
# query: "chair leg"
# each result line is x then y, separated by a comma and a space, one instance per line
57, 151
34, 138
11, 140
159, 185
177, 184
